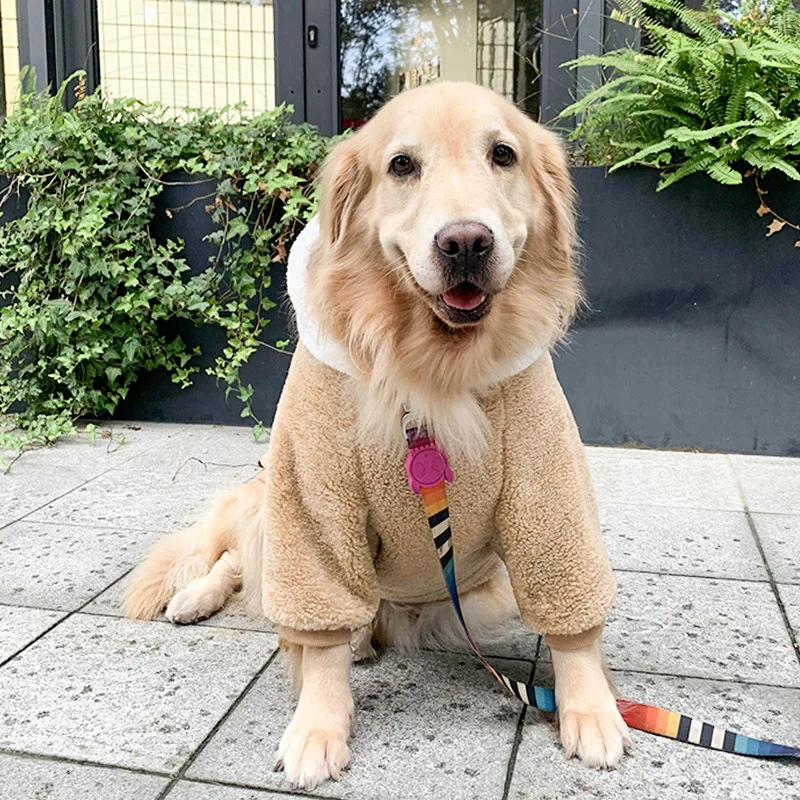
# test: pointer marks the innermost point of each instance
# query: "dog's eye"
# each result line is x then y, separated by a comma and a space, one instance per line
503, 155
402, 166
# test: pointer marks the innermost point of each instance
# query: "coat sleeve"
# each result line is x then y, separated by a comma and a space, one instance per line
319, 577
548, 530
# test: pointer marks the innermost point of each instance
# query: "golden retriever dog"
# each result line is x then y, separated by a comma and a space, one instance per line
443, 263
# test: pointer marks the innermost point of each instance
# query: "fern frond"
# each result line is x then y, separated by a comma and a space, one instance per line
761, 107
697, 22
699, 163
769, 161
686, 135
723, 173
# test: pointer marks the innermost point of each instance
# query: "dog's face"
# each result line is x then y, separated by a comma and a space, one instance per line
452, 199
452, 183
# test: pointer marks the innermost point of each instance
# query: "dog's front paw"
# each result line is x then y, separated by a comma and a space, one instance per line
311, 753
596, 733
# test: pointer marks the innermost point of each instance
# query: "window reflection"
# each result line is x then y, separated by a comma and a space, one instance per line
391, 45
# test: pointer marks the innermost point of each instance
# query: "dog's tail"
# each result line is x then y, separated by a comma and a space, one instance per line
183, 556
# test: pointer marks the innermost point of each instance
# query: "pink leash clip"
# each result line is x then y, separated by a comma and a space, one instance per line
426, 463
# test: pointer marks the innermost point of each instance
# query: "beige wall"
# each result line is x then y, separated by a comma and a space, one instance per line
467, 48
8, 11
457, 38
195, 53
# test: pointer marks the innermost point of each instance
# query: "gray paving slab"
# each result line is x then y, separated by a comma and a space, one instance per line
189, 790
25, 778
139, 500
63, 566
661, 769
18, 626
664, 478
114, 443
682, 541
790, 595
203, 447
427, 725
699, 627
27, 487
780, 538
122, 693
233, 615
769, 484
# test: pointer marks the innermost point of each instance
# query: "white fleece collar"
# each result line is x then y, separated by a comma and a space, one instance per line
321, 345
331, 351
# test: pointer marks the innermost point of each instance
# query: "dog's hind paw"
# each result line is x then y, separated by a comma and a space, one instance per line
196, 602
597, 735
309, 757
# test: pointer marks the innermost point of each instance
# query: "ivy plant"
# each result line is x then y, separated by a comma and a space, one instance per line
718, 92
85, 288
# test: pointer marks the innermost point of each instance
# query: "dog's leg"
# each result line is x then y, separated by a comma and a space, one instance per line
206, 595
314, 746
591, 725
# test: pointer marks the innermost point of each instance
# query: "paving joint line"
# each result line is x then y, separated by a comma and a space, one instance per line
109, 615
215, 728
772, 582
715, 680
119, 528
82, 762
687, 575
66, 616
251, 787
512, 758
151, 773
541, 659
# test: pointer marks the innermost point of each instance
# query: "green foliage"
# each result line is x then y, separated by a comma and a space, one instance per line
87, 288
719, 95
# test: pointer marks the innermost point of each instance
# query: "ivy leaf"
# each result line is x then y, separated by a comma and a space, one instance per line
91, 432
129, 349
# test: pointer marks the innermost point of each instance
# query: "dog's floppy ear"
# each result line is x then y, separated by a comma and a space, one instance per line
550, 155
346, 179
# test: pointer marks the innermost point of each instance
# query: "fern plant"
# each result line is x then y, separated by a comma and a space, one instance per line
719, 95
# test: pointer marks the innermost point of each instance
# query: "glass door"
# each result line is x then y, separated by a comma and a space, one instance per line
387, 46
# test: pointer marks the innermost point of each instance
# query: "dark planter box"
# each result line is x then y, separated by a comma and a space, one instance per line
693, 340
155, 397
694, 336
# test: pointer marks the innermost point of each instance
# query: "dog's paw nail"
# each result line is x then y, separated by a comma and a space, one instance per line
278, 766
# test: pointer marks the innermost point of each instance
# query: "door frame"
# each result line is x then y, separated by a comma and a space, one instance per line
58, 38
307, 72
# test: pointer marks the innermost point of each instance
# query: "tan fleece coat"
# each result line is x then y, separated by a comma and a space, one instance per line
345, 531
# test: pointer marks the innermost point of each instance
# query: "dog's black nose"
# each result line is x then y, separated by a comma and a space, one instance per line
467, 243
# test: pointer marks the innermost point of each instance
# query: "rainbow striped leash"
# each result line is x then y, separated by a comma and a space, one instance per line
428, 475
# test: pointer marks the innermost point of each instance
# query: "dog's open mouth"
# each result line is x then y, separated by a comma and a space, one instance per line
464, 303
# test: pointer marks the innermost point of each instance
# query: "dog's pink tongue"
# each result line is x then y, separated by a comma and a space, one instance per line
465, 296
